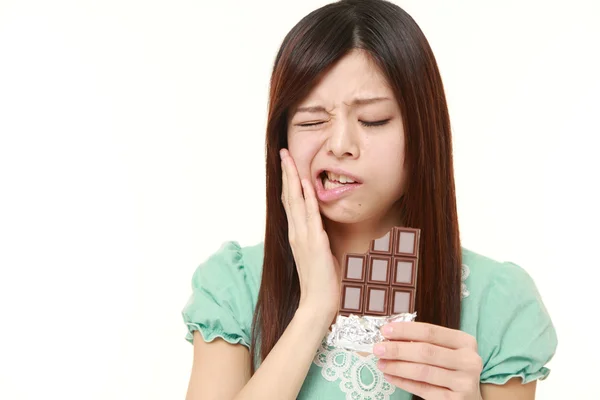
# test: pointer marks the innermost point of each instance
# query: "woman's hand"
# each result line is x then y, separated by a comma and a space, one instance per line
430, 361
318, 269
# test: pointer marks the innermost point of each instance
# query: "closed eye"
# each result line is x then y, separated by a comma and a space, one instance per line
363, 123
309, 124
375, 123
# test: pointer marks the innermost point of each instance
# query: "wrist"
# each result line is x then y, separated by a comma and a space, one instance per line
320, 317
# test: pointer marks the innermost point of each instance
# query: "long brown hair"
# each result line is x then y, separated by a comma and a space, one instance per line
398, 47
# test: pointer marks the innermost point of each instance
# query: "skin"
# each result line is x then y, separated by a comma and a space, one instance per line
431, 361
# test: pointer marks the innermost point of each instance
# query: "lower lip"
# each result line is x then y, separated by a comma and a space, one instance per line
328, 195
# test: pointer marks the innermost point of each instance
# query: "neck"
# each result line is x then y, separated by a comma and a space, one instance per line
356, 237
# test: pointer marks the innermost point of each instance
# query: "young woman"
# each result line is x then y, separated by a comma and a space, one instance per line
358, 141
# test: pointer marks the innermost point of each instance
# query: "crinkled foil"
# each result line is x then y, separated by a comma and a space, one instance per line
361, 333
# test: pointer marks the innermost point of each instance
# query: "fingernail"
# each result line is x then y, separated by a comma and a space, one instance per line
381, 364
387, 329
379, 350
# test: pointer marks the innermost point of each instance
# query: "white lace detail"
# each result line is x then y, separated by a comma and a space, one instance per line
465, 272
347, 366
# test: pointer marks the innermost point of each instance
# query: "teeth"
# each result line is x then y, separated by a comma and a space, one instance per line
328, 185
339, 178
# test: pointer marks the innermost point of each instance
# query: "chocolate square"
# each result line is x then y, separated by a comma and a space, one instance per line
404, 271
406, 242
379, 270
402, 300
383, 245
377, 300
355, 268
352, 298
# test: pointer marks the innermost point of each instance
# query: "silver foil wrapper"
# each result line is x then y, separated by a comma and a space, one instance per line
361, 333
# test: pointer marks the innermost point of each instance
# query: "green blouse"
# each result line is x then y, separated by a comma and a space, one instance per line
501, 308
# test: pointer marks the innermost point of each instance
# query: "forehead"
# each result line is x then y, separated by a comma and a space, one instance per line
354, 76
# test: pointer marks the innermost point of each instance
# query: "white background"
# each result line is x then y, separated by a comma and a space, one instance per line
132, 145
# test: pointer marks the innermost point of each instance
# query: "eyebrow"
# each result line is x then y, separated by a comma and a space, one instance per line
354, 103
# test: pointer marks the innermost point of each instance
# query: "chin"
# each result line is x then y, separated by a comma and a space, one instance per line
344, 215
356, 212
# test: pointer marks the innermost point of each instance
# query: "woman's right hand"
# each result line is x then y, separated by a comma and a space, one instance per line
318, 270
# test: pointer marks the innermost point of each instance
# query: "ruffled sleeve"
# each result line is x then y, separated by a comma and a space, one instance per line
221, 302
517, 337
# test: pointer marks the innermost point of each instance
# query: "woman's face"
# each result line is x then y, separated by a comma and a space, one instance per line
350, 127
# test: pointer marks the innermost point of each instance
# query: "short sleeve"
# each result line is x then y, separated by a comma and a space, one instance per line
516, 335
221, 303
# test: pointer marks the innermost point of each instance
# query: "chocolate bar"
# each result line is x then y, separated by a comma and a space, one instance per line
384, 281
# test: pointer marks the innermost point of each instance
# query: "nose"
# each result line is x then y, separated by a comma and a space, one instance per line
343, 142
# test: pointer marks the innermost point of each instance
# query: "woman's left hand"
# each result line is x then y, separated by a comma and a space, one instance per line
430, 361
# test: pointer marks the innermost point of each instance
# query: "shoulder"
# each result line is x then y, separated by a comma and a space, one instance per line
252, 256
504, 310
483, 275
493, 287
231, 260
224, 293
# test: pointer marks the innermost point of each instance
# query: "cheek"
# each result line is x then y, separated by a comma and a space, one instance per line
303, 152
390, 166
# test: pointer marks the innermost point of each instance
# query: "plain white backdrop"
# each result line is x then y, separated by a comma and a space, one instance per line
132, 146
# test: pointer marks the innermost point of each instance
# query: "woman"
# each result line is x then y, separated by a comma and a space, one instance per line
358, 141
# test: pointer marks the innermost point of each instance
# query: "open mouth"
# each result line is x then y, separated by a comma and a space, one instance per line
332, 186
332, 180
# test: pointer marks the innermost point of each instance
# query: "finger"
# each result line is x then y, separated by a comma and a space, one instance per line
429, 333
313, 215
457, 381
423, 390
295, 198
285, 195
425, 353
